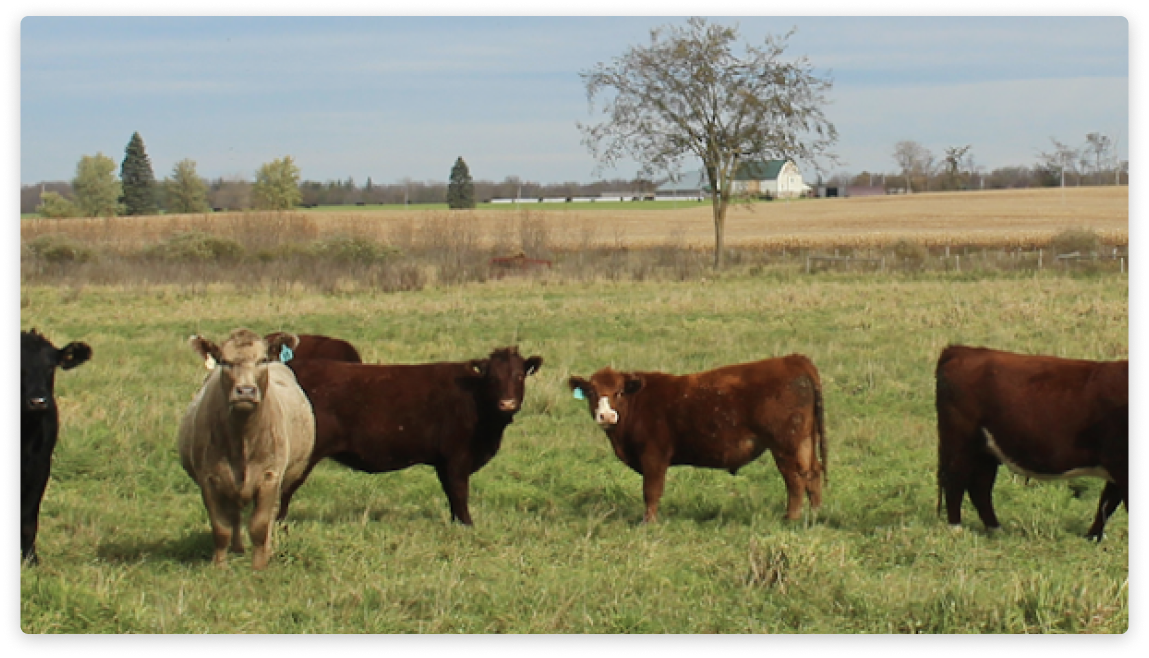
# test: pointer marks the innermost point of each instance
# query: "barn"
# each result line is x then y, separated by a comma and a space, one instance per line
777, 178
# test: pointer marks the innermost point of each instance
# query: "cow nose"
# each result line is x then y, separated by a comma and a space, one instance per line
508, 405
608, 417
245, 391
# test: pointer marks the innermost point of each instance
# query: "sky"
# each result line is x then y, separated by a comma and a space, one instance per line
392, 98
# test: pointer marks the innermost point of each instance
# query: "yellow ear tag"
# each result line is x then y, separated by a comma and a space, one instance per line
209, 363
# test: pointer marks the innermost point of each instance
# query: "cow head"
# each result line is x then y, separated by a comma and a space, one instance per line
503, 376
243, 364
38, 362
608, 394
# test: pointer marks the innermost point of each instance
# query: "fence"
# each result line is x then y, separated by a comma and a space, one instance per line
953, 259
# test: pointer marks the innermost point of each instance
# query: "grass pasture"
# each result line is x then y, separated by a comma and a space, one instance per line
557, 546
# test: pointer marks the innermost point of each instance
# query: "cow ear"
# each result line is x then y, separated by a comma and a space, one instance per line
479, 366
581, 387
533, 364
207, 350
278, 340
633, 385
74, 354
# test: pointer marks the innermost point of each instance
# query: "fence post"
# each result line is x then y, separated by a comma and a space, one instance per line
957, 261
807, 264
1123, 265
1039, 258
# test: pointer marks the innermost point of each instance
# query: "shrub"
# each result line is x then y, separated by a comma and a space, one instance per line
910, 253
351, 249
55, 206
1083, 241
55, 248
196, 247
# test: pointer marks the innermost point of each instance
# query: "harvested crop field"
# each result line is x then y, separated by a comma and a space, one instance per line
990, 218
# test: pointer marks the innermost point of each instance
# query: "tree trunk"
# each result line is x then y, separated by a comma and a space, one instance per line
719, 233
719, 241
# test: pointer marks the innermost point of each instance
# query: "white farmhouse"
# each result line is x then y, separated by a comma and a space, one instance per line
778, 178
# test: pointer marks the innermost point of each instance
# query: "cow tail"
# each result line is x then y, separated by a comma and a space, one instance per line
820, 422
941, 390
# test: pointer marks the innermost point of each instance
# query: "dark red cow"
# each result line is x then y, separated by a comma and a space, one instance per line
380, 418
1043, 416
723, 418
312, 346
39, 424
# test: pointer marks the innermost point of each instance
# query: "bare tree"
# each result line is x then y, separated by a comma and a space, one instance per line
954, 162
1098, 147
1060, 159
911, 158
688, 94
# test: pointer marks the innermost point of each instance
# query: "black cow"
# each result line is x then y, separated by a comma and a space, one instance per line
39, 424
381, 418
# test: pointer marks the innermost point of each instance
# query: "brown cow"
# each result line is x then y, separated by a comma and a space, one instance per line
313, 346
246, 436
1044, 417
381, 418
723, 418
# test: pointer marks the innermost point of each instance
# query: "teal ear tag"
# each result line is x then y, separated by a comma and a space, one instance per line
285, 354
578, 394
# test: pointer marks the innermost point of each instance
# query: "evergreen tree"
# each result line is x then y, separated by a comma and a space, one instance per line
96, 188
139, 183
186, 191
461, 189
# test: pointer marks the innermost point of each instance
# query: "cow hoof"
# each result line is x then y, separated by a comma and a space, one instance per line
993, 532
955, 529
1095, 538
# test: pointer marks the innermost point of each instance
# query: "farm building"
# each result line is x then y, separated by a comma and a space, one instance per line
689, 185
777, 178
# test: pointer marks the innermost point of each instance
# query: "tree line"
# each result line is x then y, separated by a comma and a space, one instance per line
97, 191
1092, 162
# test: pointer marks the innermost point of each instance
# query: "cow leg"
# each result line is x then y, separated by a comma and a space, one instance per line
29, 524
981, 492
220, 513
33, 481
31, 495
795, 490
1111, 497
266, 506
814, 489
456, 483
224, 516
289, 491
812, 474
796, 479
653, 483
956, 435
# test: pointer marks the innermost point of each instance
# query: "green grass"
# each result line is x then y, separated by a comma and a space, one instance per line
557, 545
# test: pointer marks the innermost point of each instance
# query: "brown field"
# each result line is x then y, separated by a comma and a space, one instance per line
999, 218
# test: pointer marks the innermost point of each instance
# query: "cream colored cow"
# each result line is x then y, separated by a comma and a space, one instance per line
247, 435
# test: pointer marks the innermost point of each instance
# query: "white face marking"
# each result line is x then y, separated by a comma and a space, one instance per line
1088, 471
604, 415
